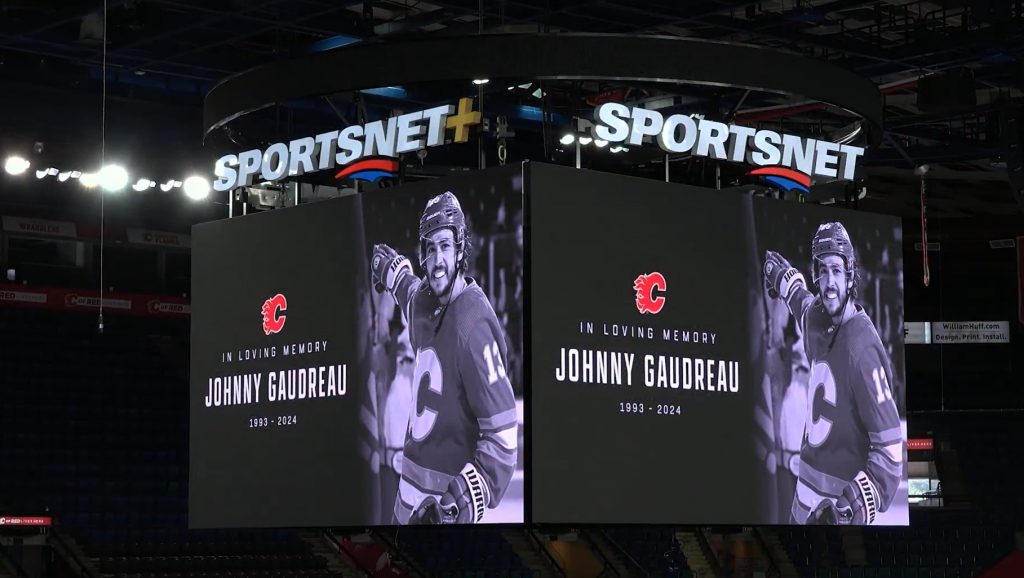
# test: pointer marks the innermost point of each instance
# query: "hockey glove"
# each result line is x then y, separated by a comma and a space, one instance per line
824, 515
427, 514
780, 278
387, 267
466, 498
859, 502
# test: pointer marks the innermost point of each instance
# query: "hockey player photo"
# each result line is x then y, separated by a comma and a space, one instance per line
460, 448
844, 415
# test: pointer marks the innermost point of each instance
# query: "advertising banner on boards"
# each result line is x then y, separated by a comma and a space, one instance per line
958, 332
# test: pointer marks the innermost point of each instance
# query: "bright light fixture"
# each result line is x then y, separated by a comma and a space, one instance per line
113, 178
479, 81
166, 187
196, 188
585, 140
567, 139
16, 165
600, 143
89, 180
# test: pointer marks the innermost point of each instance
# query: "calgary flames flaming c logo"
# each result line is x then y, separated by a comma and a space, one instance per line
273, 314
645, 285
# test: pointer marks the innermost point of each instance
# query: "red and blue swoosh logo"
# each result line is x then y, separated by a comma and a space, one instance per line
784, 177
370, 169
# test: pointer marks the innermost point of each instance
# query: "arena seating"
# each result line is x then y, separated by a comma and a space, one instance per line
939, 544
988, 446
97, 427
813, 548
465, 552
654, 548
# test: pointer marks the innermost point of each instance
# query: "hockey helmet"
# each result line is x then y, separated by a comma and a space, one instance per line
832, 239
443, 211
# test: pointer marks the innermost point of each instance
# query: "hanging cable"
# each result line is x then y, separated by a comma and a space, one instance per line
922, 171
103, 158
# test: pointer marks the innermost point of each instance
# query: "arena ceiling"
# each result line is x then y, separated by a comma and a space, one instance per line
163, 56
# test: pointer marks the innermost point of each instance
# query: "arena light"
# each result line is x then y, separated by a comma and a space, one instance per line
600, 143
89, 180
567, 139
585, 140
166, 187
16, 165
113, 178
479, 81
196, 188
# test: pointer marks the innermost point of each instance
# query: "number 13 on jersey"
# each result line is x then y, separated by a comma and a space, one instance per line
495, 367
882, 390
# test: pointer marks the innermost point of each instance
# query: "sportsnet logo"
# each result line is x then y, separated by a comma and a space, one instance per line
273, 314
371, 170
785, 178
645, 285
367, 152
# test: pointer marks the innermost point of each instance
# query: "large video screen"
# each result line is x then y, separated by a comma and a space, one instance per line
705, 357
359, 361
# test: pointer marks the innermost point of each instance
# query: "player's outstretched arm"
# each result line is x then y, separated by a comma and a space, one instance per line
874, 487
391, 272
482, 482
784, 281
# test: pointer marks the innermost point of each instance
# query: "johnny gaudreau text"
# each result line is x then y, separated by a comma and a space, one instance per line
284, 385
659, 371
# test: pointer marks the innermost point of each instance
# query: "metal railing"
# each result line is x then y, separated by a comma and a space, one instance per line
69, 554
392, 546
773, 568
9, 560
543, 549
708, 550
619, 550
340, 548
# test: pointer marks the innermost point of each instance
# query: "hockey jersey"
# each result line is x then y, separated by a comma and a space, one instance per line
464, 409
852, 422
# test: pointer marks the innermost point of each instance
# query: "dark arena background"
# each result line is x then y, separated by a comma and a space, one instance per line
686, 289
